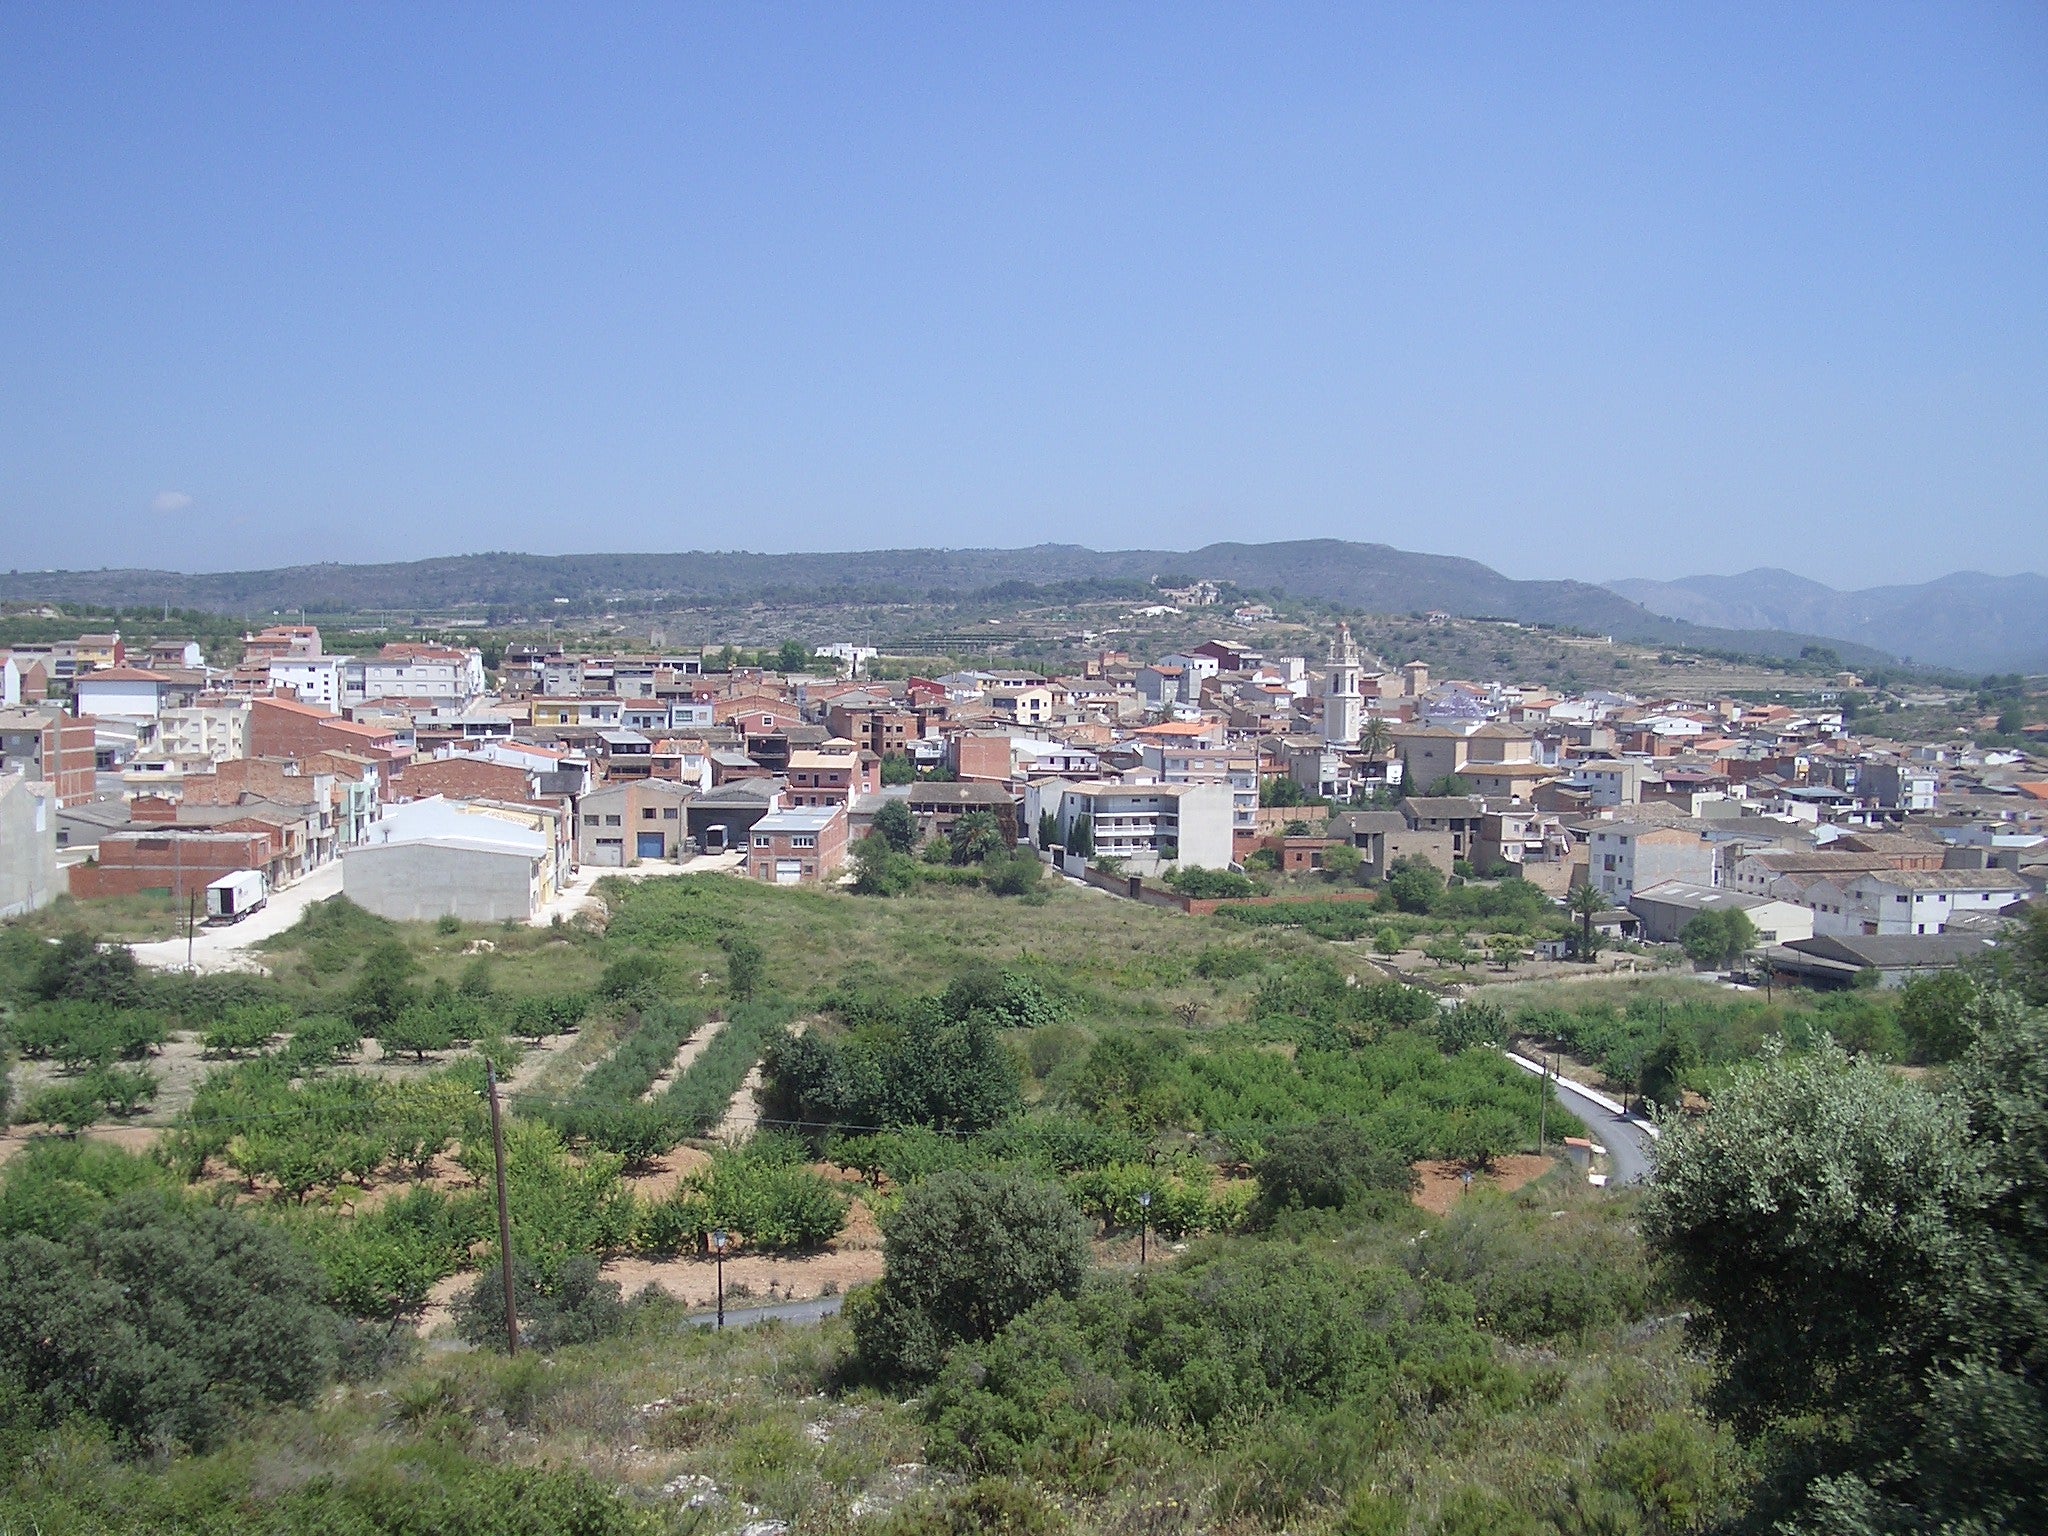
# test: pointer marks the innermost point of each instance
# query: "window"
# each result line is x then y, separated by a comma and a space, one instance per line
647, 813
668, 813
611, 821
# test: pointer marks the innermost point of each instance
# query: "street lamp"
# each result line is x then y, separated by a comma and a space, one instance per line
718, 1241
1144, 1223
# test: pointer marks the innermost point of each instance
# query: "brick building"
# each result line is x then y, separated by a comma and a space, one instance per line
286, 728
468, 778
832, 776
52, 749
798, 847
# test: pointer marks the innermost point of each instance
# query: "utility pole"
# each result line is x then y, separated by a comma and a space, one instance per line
504, 1213
191, 913
1542, 1104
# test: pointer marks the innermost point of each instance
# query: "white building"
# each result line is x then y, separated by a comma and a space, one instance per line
409, 671
1147, 825
30, 877
1666, 908
119, 693
315, 680
1343, 705
433, 858
1212, 765
1625, 856
1903, 901
217, 732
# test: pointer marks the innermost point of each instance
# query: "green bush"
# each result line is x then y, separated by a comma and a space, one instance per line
634, 980
1536, 1276
1203, 1350
570, 1305
1211, 884
1326, 1166
163, 1322
766, 1204
53, 1185
920, 1066
963, 1255
247, 1028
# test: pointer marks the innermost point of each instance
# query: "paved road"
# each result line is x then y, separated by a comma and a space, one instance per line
815, 1310
1627, 1139
224, 948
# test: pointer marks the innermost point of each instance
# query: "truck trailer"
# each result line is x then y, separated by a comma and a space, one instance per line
233, 897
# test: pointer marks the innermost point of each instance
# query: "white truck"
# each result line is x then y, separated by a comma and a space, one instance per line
233, 897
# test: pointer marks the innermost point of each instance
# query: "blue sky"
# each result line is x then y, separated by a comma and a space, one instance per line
1590, 290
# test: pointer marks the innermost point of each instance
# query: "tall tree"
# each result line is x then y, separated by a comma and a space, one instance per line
1866, 1261
1587, 902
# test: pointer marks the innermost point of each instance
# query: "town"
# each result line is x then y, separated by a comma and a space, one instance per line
422, 784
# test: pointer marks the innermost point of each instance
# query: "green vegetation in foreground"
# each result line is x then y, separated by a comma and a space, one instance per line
1326, 1358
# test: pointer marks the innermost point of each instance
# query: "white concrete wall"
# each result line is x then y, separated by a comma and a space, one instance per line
30, 878
415, 882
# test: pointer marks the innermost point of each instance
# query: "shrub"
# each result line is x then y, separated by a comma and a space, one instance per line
924, 1068
1211, 884
53, 1186
766, 1204
383, 988
79, 967
1018, 873
634, 980
896, 827
963, 1255
247, 1028
573, 1305
1326, 1166
744, 962
1222, 1344
163, 1322
1535, 1276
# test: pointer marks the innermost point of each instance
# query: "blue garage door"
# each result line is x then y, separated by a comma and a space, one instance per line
650, 845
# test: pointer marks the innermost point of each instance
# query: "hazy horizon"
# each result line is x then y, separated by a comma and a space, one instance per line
1602, 295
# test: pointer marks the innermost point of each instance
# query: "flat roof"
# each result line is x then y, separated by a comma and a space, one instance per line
807, 818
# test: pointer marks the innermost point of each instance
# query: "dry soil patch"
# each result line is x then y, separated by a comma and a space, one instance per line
1443, 1182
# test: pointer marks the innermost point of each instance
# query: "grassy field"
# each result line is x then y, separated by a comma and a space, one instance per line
1509, 1359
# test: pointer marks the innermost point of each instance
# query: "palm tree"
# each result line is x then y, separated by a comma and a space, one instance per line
1585, 900
1374, 739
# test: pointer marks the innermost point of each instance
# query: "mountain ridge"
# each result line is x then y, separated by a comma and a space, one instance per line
1967, 619
1366, 576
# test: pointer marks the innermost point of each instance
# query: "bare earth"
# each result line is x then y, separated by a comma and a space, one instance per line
851, 1259
1443, 1184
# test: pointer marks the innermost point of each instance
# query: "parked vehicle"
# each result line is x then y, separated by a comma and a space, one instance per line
233, 897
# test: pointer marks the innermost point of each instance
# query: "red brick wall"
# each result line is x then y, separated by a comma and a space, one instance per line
982, 757
281, 730
130, 863
68, 747
467, 780
262, 777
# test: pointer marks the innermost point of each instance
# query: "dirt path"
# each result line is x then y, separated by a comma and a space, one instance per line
686, 1054
743, 1113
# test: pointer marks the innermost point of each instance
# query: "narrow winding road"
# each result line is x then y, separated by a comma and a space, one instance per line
1627, 1138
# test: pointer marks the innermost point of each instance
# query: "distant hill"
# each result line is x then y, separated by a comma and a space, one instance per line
1968, 620
1371, 577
